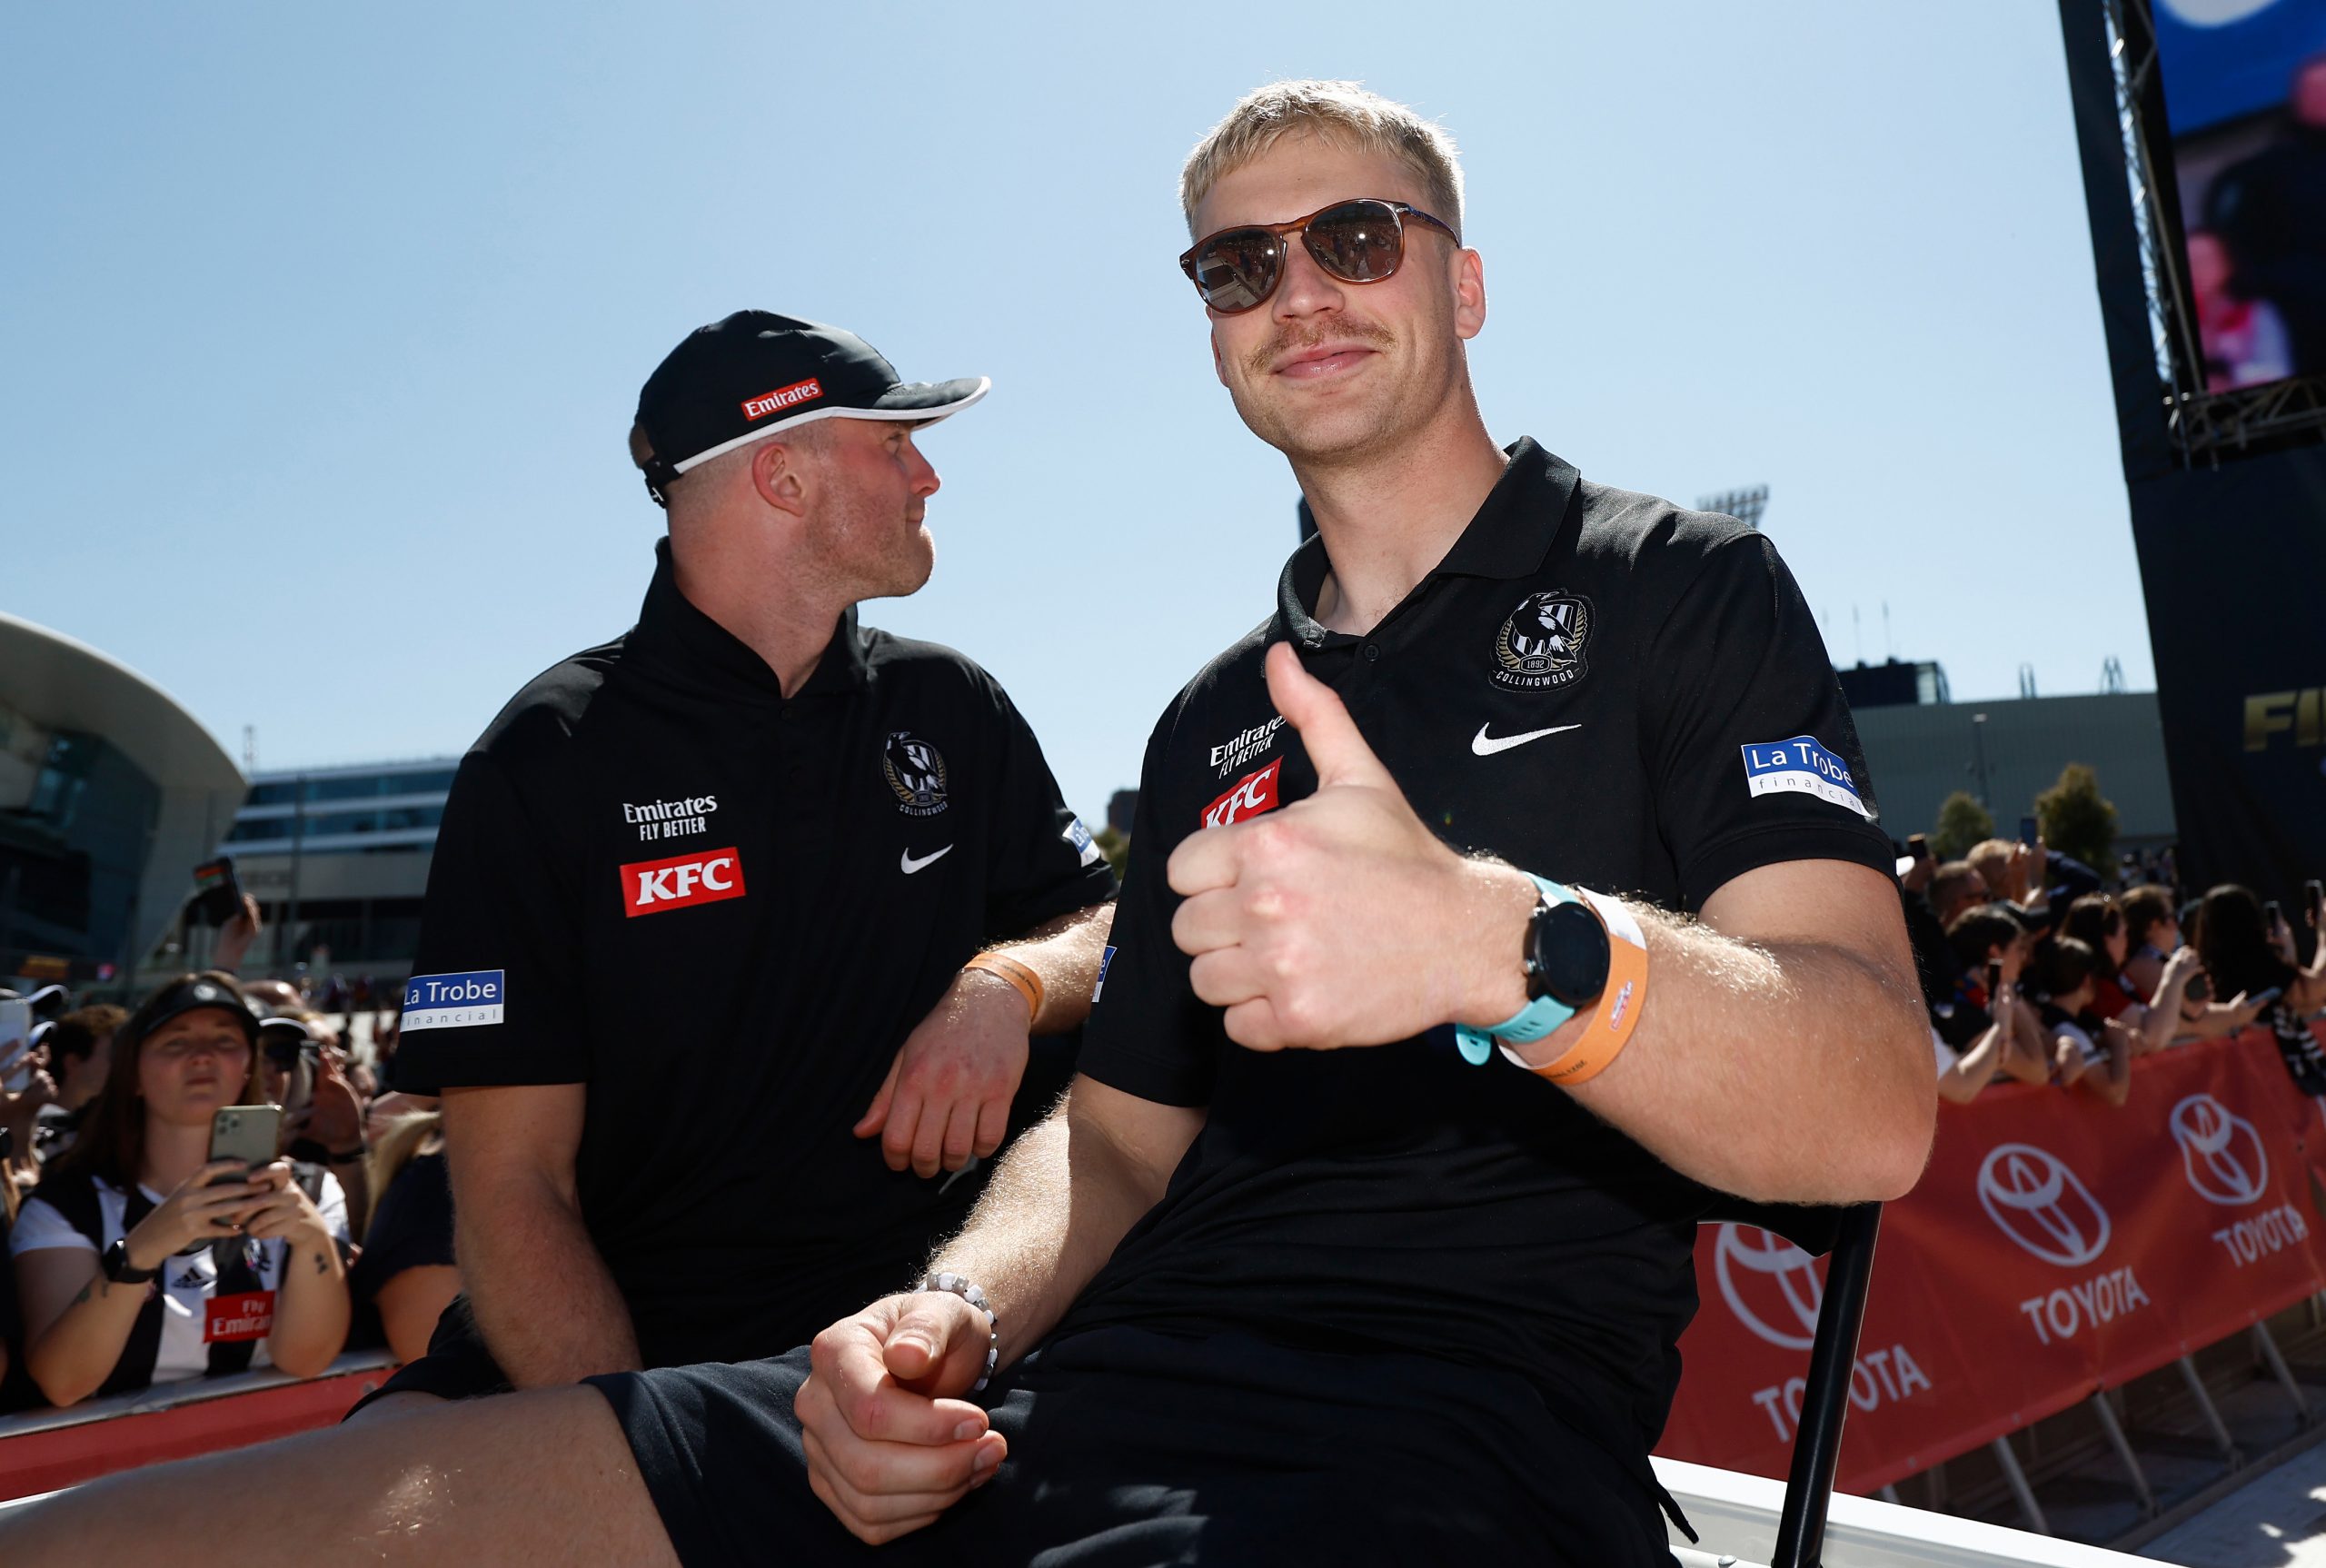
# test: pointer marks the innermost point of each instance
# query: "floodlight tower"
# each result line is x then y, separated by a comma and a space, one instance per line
1744, 505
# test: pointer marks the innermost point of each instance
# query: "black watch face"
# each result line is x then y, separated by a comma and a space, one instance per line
1571, 955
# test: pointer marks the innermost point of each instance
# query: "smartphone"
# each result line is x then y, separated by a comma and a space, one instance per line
2315, 891
2265, 997
2028, 831
249, 1134
1995, 979
15, 1045
1918, 846
2199, 989
2272, 915
218, 891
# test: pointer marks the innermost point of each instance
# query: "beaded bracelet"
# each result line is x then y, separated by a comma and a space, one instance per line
959, 1285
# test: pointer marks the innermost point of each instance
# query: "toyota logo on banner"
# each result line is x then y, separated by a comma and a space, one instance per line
1754, 1265
2221, 1151
2042, 1206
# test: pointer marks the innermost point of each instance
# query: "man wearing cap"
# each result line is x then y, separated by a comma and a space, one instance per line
719, 904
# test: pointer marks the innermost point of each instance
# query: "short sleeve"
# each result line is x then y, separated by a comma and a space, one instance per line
40, 1226
1043, 863
1150, 1034
494, 986
331, 1203
411, 1229
1748, 739
1944, 1053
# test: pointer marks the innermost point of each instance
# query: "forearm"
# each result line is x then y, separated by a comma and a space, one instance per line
1064, 952
1980, 1064
1058, 1206
2027, 1062
544, 1301
72, 1358
1740, 1049
310, 1314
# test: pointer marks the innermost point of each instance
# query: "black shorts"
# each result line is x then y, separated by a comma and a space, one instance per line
457, 1365
1132, 1447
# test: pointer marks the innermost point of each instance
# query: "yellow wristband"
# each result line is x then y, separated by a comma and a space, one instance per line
1027, 983
1609, 1028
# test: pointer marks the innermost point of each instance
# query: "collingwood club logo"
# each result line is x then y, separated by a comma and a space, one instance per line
2034, 1199
1541, 646
1771, 1284
916, 773
2221, 1151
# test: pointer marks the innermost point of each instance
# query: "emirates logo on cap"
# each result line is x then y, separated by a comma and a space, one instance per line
782, 397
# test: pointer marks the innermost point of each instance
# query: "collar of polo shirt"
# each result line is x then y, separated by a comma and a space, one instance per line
1509, 539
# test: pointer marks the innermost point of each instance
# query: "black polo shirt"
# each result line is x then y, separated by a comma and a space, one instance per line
723, 911
1604, 689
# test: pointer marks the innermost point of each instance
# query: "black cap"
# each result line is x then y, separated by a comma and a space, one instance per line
189, 994
742, 379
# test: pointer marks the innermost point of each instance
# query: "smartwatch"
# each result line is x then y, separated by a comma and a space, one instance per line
1565, 958
117, 1268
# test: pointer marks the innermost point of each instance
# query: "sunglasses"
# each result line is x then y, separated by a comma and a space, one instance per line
1358, 241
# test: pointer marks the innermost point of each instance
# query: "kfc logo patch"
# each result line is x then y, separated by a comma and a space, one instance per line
1251, 794
781, 398
650, 886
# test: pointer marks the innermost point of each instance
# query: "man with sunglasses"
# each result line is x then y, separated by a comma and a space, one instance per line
1365, 1234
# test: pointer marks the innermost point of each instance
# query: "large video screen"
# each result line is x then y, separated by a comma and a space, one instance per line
2245, 91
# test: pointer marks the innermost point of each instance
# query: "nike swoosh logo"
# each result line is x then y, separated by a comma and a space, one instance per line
909, 865
1484, 747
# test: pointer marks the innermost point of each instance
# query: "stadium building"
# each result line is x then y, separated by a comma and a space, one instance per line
110, 792
338, 859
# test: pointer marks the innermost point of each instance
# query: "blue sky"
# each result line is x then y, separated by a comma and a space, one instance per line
321, 329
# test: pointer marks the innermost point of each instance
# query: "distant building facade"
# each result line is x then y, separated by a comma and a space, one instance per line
2007, 751
338, 859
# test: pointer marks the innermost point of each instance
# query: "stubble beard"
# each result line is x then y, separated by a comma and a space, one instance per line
1347, 428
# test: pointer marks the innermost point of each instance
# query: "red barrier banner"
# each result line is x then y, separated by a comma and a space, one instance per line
2054, 1247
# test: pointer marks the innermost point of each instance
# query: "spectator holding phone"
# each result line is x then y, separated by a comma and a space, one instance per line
141, 1260
299, 1070
1991, 943
2152, 934
2248, 953
2085, 1050
2095, 921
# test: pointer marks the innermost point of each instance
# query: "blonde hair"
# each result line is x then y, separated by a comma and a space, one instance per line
1343, 112
393, 1151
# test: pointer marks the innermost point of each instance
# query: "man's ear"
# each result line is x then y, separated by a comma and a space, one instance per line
1469, 294
776, 475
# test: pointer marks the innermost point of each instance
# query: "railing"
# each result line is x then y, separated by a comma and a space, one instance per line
1736, 1517
45, 1450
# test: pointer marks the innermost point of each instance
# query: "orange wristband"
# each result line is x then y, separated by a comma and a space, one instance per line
1028, 984
1609, 1028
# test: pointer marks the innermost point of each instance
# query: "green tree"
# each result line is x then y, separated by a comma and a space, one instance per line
1962, 822
2076, 820
1115, 846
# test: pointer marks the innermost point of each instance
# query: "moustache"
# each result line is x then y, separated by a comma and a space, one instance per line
1294, 340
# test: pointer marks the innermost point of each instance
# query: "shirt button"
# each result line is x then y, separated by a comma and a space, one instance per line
1371, 652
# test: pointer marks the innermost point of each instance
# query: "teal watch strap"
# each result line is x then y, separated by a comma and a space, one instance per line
1531, 1022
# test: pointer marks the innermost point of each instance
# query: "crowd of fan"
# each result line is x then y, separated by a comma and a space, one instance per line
2034, 973
105, 1129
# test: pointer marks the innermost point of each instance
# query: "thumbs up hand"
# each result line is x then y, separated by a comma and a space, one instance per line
1341, 920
